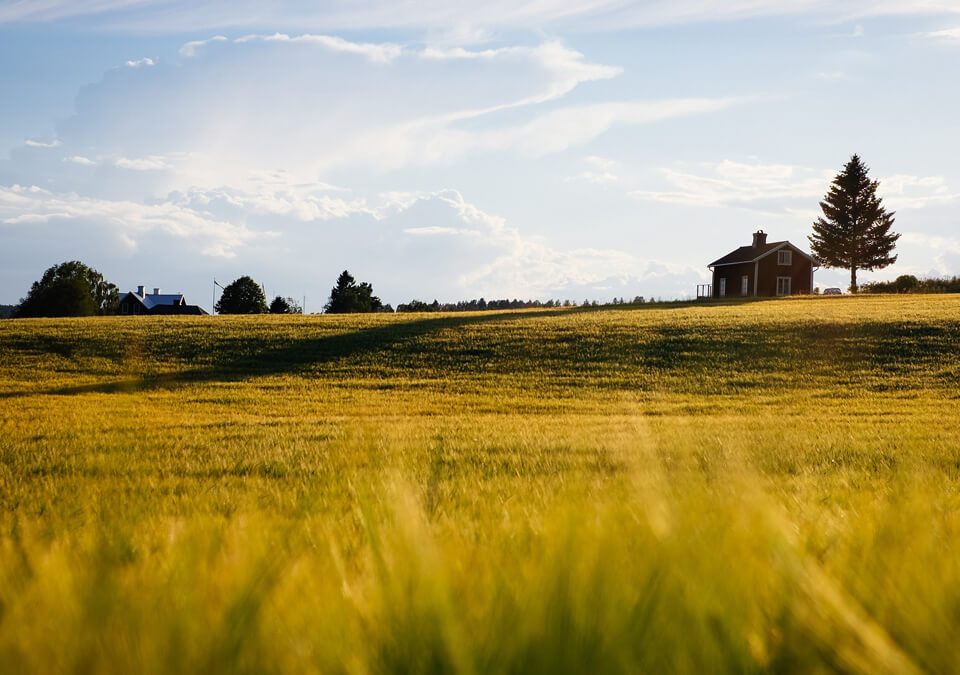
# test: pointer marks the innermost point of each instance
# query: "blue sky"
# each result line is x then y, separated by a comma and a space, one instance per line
453, 150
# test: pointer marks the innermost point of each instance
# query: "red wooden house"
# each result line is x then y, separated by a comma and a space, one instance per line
763, 270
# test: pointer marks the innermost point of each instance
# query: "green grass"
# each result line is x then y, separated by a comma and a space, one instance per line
759, 487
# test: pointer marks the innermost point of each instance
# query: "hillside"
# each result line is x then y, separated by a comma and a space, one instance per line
759, 486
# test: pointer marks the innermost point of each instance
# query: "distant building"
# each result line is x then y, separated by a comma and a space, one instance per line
763, 270
141, 302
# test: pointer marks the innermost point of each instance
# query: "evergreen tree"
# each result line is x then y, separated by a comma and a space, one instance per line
349, 297
854, 231
69, 289
243, 296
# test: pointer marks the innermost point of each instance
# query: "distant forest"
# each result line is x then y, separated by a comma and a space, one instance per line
6, 311
908, 283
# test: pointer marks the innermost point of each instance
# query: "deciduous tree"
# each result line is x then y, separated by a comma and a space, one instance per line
281, 305
69, 289
243, 296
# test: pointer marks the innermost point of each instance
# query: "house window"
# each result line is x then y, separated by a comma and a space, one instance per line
723, 287
783, 285
784, 257
744, 285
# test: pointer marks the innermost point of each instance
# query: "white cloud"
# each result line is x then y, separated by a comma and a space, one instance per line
151, 163
35, 143
780, 188
127, 220
601, 171
80, 159
305, 203
242, 109
164, 15
436, 231
948, 34
375, 53
141, 63
190, 49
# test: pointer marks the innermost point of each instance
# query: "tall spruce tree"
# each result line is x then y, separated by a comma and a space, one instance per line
854, 231
349, 297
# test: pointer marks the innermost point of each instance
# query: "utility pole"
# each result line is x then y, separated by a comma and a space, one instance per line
213, 305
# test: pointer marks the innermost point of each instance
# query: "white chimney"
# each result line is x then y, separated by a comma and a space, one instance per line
140, 291
156, 291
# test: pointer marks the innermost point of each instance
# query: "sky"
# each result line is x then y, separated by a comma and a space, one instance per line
452, 150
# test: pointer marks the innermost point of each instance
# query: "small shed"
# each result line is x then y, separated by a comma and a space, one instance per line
763, 269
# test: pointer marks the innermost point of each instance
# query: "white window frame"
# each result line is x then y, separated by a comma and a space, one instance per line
785, 257
723, 287
784, 286
745, 284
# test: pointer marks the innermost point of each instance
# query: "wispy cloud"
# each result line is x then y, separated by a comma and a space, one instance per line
374, 52
151, 163
141, 63
191, 48
946, 34
359, 14
79, 159
37, 143
600, 171
781, 188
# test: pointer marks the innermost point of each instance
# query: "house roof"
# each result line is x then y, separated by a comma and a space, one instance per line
151, 300
749, 254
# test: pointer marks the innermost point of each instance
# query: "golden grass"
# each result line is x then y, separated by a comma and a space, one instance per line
767, 486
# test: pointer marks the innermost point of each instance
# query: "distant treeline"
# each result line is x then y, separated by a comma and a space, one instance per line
908, 283
482, 304
6, 311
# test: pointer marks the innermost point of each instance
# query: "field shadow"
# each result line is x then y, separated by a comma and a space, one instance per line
617, 355
263, 357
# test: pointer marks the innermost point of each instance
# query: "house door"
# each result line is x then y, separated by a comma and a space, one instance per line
723, 287
745, 285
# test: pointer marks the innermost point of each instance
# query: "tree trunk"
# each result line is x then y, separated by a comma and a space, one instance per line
853, 279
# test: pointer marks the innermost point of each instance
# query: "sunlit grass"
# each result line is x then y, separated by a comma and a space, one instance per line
768, 486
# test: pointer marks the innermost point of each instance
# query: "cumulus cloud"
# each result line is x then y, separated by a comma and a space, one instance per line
255, 104
126, 220
141, 63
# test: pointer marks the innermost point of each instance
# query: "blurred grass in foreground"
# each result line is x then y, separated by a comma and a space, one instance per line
760, 487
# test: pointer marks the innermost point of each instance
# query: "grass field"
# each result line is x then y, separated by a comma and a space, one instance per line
770, 486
